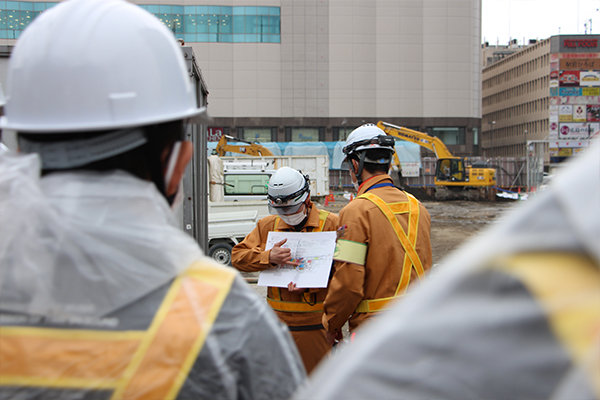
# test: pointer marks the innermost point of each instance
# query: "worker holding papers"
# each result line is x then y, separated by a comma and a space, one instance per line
293, 248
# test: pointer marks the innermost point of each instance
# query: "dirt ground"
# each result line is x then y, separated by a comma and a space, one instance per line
452, 222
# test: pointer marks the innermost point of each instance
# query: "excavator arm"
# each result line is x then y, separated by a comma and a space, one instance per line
429, 142
249, 149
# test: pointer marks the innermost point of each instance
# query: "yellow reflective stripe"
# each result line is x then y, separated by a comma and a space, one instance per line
401, 207
293, 306
568, 288
51, 357
177, 333
374, 305
409, 248
322, 218
349, 251
413, 226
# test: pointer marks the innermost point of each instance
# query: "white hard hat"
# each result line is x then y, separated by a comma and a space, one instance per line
287, 190
368, 137
96, 65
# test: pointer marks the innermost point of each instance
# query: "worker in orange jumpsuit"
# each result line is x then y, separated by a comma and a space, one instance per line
385, 244
300, 309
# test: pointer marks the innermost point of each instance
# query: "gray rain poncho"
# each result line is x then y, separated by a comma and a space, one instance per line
85, 251
514, 314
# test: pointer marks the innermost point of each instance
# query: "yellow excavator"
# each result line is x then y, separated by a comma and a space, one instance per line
249, 149
450, 171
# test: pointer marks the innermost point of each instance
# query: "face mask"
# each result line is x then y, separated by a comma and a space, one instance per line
294, 219
356, 185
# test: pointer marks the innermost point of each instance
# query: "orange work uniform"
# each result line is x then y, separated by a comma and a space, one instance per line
301, 312
372, 264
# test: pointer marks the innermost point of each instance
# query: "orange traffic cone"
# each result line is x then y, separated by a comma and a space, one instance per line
351, 197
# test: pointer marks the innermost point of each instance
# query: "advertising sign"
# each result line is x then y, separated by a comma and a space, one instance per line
554, 91
554, 75
577, 64
573, 131
593, 113
575, 100
568, 78
570, 91
579, 113
568, 143
576, 55
554, 65
214, 134
590, 91
565, 113
589, 78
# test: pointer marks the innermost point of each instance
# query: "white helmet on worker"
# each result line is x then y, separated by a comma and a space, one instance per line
369, 137
287, 190
112, 65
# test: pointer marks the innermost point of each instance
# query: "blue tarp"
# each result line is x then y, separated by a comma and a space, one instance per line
407, 152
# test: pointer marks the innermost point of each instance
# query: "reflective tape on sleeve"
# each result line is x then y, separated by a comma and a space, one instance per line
349, 251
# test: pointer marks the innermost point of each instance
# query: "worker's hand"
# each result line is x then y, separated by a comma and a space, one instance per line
335, 337
292, 288
281, 255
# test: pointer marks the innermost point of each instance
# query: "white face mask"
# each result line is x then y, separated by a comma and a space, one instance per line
356, 185
293, 219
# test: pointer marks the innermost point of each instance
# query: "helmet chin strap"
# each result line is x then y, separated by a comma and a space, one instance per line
361, 165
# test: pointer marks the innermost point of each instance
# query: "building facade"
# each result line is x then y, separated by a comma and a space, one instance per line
548, 92
313, 70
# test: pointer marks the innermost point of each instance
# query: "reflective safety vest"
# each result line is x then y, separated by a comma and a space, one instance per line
306, 306
150, 364
408, 240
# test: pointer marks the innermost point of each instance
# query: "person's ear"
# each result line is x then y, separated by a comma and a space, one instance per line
354, 167
181, 154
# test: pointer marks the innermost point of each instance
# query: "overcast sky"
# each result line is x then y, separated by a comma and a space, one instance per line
503, 20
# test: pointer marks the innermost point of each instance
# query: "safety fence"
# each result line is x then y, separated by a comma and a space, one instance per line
511, 173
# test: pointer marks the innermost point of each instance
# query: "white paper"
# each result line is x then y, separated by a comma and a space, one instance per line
315, 249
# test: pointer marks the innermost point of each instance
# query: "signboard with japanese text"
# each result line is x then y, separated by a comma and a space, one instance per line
570, 91
565, 113
573, 131
577, 64
590, 91
554, 91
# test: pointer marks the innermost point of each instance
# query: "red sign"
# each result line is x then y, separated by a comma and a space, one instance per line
568, 78
214, 134
585, 43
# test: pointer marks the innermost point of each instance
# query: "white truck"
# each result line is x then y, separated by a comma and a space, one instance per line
233, 213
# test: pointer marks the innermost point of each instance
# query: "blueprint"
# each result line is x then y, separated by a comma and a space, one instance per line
314, 250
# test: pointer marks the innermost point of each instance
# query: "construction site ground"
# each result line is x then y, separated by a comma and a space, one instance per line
452, 222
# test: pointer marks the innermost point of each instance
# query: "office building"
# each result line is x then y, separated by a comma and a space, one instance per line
549, 93
312, 70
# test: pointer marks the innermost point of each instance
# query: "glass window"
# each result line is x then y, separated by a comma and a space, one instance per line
246, 184
342, 133
305, 134
248, 24
257, 134
449, 135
